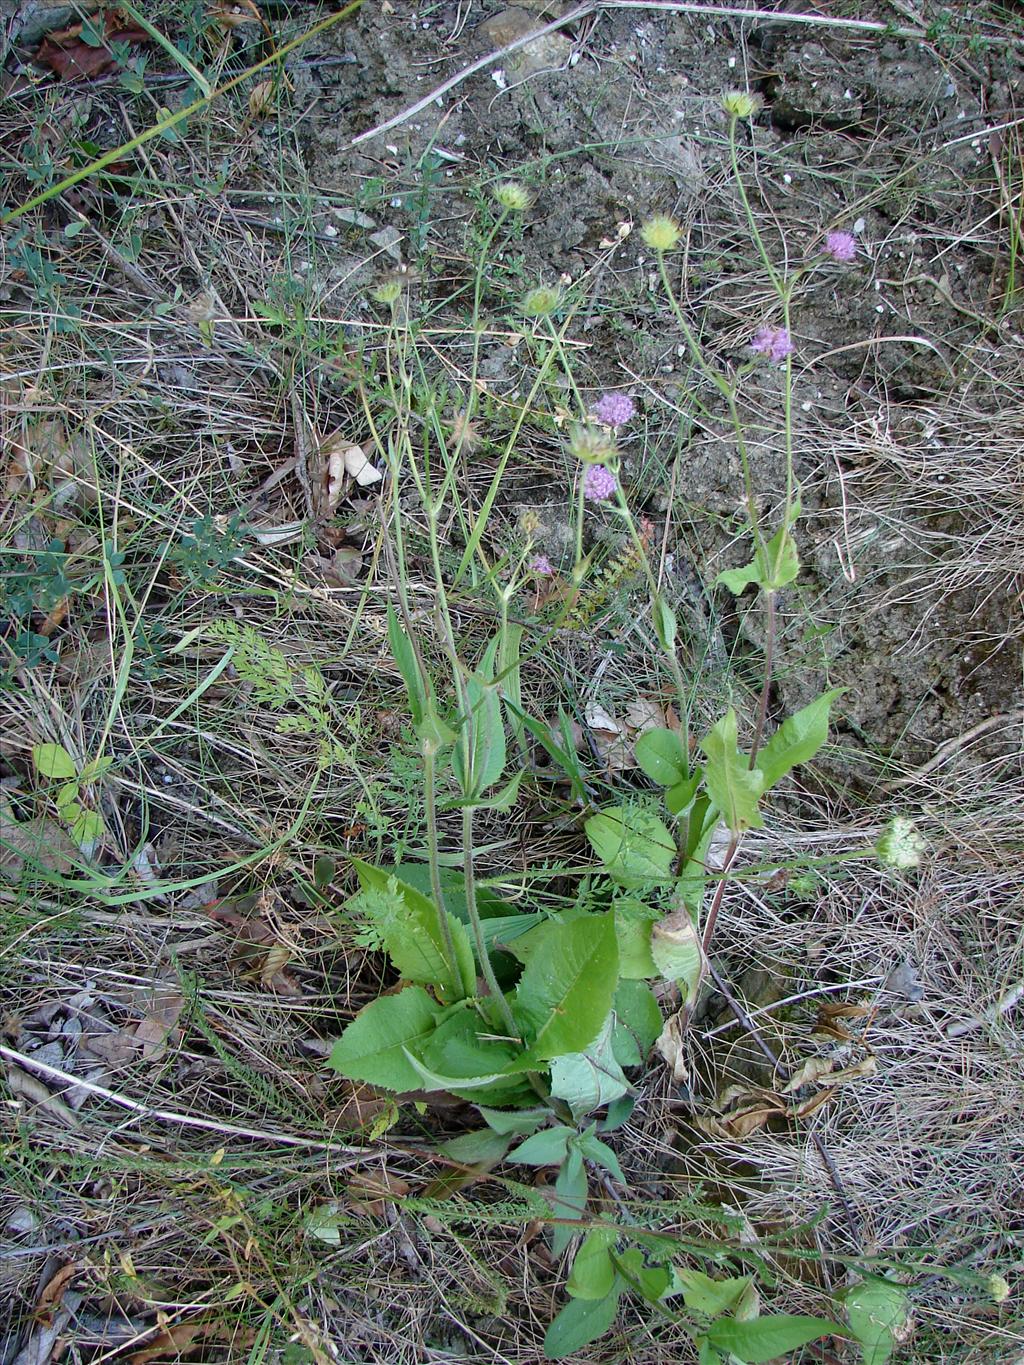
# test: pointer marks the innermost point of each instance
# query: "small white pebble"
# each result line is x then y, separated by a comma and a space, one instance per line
330, 230
858, 226
787, 179
879, 307
805, 407
732, 63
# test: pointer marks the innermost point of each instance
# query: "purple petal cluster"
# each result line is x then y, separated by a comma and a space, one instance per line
614, 409
599, 483
774, 342
841, 246
542, 567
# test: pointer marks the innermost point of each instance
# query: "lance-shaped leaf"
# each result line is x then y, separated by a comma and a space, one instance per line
732, 784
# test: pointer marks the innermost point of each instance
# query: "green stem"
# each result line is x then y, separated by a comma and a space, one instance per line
483, 957
429, 750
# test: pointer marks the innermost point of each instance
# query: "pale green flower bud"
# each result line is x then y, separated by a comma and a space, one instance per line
512, 196
740, 103
541, 302
661, 233
900, 845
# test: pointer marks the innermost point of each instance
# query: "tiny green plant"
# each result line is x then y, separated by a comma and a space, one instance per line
70, 787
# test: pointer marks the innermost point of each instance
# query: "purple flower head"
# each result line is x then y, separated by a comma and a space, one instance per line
542, 567
614, 409
841, 246
774, 342
599, 483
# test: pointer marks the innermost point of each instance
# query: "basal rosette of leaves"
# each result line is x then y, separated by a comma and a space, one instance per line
537, 1019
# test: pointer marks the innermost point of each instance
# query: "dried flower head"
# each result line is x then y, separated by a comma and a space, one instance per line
465, 433
591, 444
540, 302
614, 409
512, 196
661, 233
542, 567
901, 844
529, 523
774, 342
841, 246
740, 103
599, 483
387, 292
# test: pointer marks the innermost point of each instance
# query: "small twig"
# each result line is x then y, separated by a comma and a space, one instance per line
745, 1021
54, 1073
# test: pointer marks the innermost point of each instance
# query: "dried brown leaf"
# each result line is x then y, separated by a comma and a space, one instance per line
53, 1291
183, 1339
65, 53
371, 1192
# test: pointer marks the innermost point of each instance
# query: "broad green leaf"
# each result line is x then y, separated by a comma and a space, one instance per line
95, 768
649, 1280
691, 883
702, 1294
484, 1147
593, 1149
661, 755
780, 562
568, 1201
877, 1309
590, 1079
565, 994
53, 760
797, 739
765, 1338
680, 798
580, 1322
373, 1047
633, 920
517, 1122
618, 1113
638, 1022
592, 1273
633, 844
708, 1354
479, 759
88, 828
677, 951
738, 580
546, 1148
664, 624
405, 658
67, 795
410, 925
463, 1057
733, 785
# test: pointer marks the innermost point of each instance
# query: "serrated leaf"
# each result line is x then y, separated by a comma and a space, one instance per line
410, 925
580, 1322
462, 1057
633, 844
766, 1338
702, 1294
565, 994
661, 756
547, 1148
590, 1079
593, 1274
797, 739
54, 761
732, 784
877, 1309
373, 1047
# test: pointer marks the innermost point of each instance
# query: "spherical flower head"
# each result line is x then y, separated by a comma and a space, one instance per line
591, 444
661, 233
901, 844
542, 567
774, 342
998, 1288
740, 103
841, 246
512, 196
388, 292
540, 302
614, 409
599, 483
